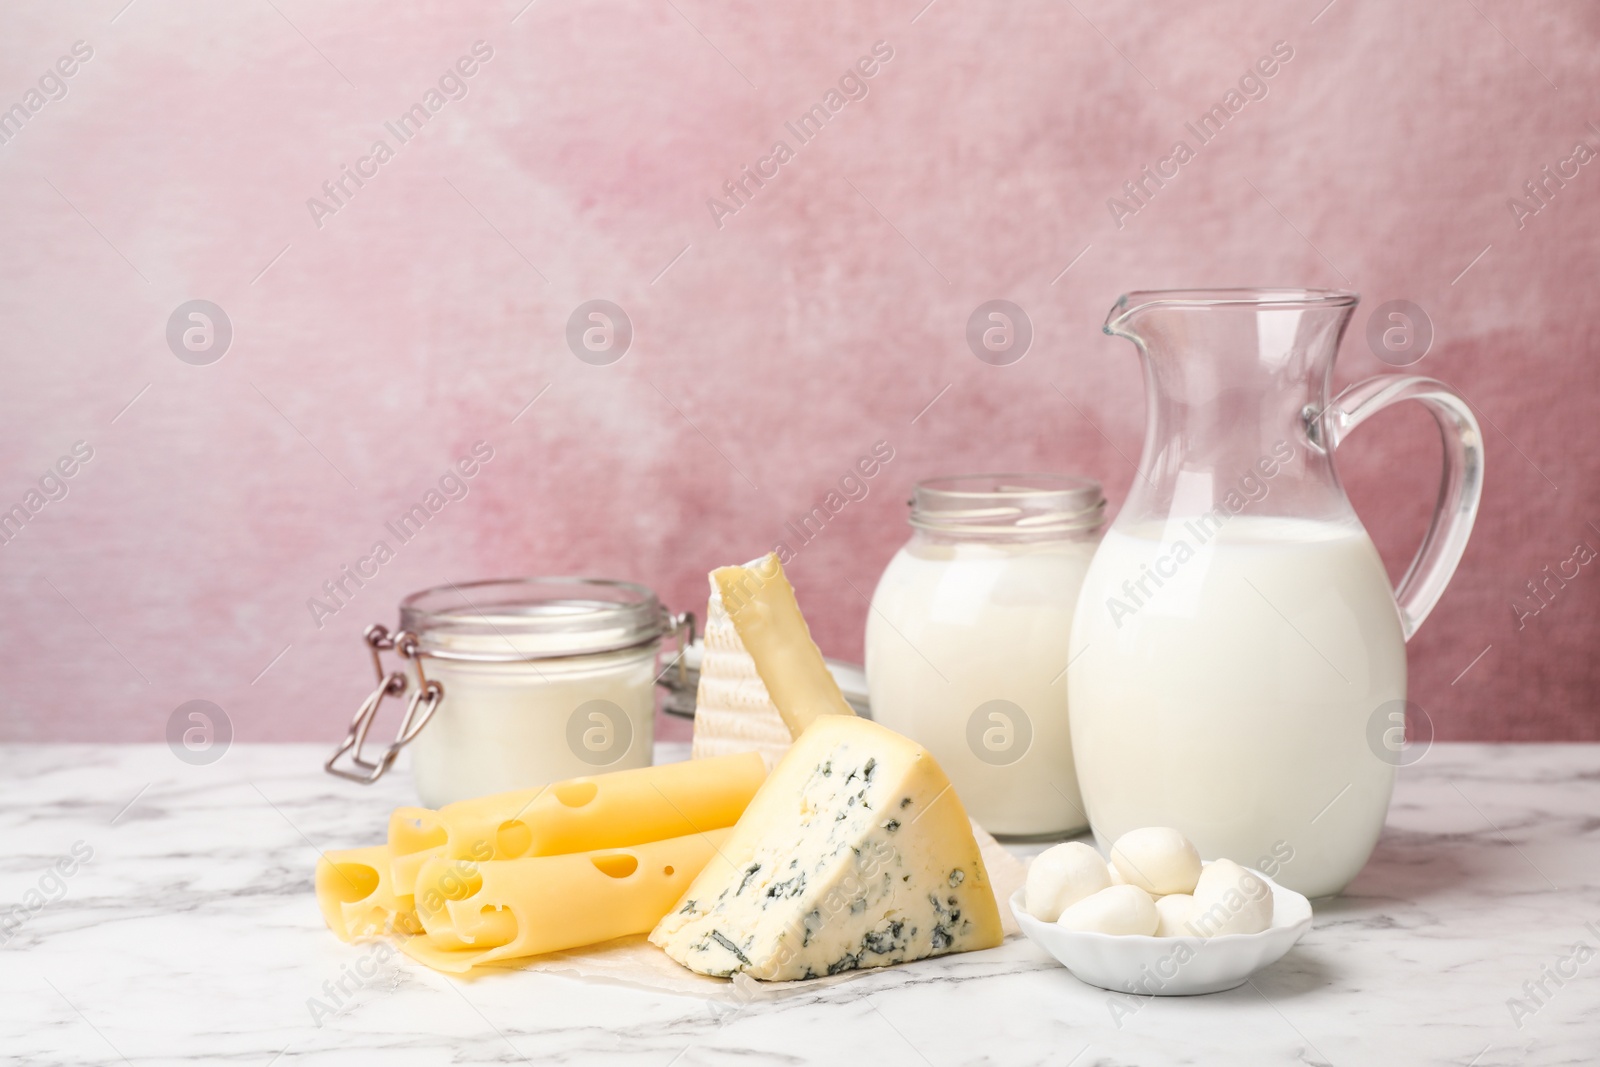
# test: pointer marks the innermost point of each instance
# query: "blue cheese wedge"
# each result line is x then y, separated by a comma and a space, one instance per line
855, 853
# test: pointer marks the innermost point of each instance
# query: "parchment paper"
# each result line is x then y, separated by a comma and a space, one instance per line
633, 961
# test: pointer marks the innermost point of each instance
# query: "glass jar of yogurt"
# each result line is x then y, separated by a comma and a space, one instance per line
966, 648
519, 682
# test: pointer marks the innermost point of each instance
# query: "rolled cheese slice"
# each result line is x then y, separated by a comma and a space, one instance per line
613, 810
477, 913
357, 896
415, 836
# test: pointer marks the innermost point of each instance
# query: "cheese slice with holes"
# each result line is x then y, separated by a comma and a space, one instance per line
357, 896
732, 710
578, 815
477, 913
855, 853
761, 603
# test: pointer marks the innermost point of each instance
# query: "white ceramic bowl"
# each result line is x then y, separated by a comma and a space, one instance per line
1171, 966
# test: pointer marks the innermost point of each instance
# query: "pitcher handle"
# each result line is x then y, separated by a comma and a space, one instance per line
1459, 489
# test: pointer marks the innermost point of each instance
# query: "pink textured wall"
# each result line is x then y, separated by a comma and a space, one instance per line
372, 346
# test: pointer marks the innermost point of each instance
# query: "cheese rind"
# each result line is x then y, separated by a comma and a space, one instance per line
761, 603
855, 853
733, 711
612, 810
477, 913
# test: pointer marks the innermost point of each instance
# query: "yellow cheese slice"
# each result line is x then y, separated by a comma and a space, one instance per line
477, 913
612, 810
357, 897
761, 603
856, 853
415, 836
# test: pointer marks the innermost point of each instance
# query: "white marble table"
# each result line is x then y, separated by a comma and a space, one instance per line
191, 936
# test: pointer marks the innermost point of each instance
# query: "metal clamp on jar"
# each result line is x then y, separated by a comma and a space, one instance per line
527, 681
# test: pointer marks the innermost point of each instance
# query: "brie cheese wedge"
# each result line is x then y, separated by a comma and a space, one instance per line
732, 710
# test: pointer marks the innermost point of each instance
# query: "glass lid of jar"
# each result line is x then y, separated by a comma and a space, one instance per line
517, 619
1012, 504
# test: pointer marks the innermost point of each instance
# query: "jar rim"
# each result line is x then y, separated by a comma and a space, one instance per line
1009, 504
496, 620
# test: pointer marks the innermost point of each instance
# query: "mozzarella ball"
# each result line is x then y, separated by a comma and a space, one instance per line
1230, 900
1118, 909
1063, 875
1173, 911
1157, 859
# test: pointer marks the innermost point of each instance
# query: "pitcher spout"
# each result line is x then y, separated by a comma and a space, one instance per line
1130, 308
1236, 381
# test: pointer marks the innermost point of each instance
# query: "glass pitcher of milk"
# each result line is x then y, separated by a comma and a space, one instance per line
1237, 646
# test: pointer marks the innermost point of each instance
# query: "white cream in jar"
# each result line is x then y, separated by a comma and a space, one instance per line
967, 641
538, 680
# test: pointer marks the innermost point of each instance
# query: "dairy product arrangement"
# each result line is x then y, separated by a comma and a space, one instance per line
1193, 685
800, 842
683, 569
854, 852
